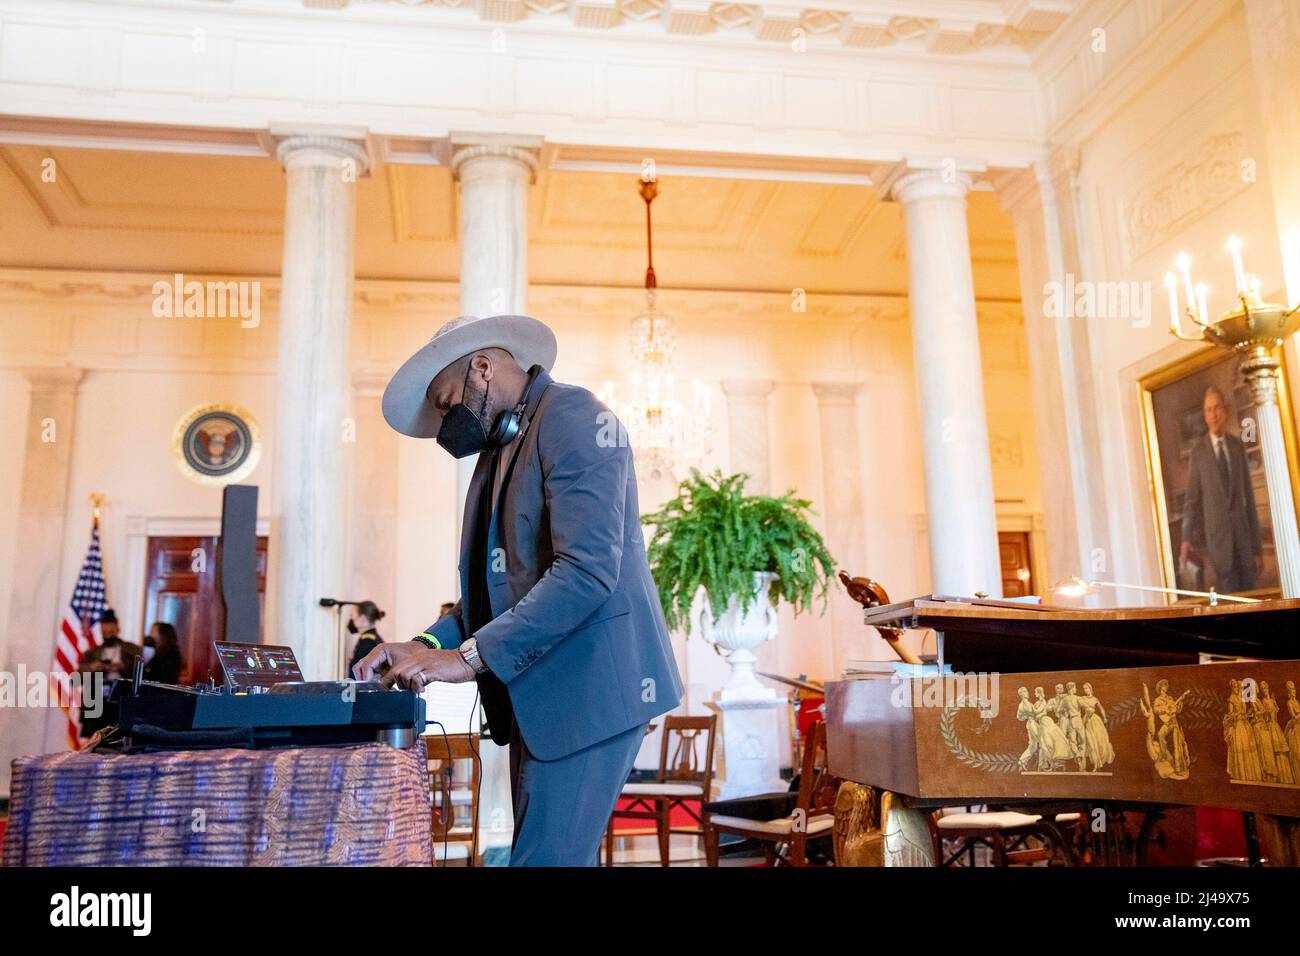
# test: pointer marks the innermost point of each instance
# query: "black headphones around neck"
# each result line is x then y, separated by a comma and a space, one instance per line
506, 428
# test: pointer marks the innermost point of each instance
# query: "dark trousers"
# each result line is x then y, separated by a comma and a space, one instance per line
563, 806
1240, 578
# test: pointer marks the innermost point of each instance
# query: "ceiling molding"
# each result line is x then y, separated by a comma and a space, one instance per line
937, 28
180, 69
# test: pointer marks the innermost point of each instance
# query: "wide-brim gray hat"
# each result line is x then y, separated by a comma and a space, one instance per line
405, 406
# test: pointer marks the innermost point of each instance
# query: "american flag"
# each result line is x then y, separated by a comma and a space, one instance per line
79, 630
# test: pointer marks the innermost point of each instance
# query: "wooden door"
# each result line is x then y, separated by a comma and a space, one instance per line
1013, 552
183, 590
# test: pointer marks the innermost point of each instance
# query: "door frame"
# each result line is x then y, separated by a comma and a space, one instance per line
1032, 524
139, 529
1007, 519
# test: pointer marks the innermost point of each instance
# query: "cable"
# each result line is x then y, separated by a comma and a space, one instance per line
479, 786
447, 806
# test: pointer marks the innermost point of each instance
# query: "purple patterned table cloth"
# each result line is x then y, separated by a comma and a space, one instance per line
365, 805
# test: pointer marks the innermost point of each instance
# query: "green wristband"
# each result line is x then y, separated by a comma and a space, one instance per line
428, 640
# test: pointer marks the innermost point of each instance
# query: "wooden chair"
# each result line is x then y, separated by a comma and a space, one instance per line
1010, 836
786, 839
681, 782
455, 798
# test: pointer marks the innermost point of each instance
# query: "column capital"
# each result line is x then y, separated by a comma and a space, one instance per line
321, 146
910, 180
836, 393
467, 147
746, 389
54, 378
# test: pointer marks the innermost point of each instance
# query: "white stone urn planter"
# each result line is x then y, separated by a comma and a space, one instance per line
737, 635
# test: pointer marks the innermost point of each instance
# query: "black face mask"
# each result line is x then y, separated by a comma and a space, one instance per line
462, 432
352, 626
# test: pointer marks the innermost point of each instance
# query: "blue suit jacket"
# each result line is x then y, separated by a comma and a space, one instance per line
577, 644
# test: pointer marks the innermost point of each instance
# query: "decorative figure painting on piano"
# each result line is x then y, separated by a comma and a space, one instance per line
1166, 743
1293, 728
1097, 749
1068, 728
1260, 752
1271, 738
1243, 756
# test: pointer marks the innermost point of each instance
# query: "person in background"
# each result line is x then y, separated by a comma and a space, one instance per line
1220, 517
362, 622
445, 608
163, 662
114, 658
108, 626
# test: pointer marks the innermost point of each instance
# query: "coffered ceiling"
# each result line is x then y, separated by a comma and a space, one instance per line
73, 208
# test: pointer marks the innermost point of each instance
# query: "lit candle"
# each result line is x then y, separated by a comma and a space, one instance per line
1184, 268
1238, 270
1172, 285
1200, 302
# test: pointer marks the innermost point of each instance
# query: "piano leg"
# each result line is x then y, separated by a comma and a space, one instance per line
908, 837
1278, 839
1150, 818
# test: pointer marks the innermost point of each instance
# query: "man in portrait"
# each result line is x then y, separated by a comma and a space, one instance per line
1220, 519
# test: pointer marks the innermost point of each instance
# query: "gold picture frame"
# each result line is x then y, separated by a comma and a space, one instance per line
1180, 373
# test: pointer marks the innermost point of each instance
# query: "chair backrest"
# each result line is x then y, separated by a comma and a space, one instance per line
685, 764
443, 753
817, 787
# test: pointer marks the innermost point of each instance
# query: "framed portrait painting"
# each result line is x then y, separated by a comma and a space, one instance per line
1210, 496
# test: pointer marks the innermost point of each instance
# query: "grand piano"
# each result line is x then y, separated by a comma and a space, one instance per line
1134, 707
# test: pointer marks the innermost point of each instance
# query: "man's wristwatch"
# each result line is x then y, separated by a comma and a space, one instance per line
469, 651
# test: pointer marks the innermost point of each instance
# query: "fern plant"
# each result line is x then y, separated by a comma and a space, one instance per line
714, 536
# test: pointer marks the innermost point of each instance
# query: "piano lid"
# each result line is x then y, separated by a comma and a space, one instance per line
984, 634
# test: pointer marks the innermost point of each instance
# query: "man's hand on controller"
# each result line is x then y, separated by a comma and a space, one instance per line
412, 666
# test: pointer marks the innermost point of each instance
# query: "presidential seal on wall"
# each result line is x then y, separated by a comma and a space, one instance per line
216, 444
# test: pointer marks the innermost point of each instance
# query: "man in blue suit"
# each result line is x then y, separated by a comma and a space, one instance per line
1220, 517
559, 619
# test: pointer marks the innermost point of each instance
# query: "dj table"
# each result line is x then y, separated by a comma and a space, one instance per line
365, 805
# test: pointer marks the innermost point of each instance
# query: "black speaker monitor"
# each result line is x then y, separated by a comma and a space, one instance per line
237, 563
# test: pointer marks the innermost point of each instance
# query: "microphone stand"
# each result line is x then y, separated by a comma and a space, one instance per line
339, 640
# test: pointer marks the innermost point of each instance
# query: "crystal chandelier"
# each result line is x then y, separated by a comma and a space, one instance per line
660, 428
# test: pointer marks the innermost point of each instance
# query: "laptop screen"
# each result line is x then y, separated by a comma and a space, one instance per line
244, 666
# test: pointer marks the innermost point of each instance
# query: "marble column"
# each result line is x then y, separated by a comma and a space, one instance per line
1261, 375
945, 341
372, 560
494, 173
309, 514
748, 432
35, 590
842, 511
1040, 202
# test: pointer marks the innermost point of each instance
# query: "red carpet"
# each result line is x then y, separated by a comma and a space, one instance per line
679, 818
